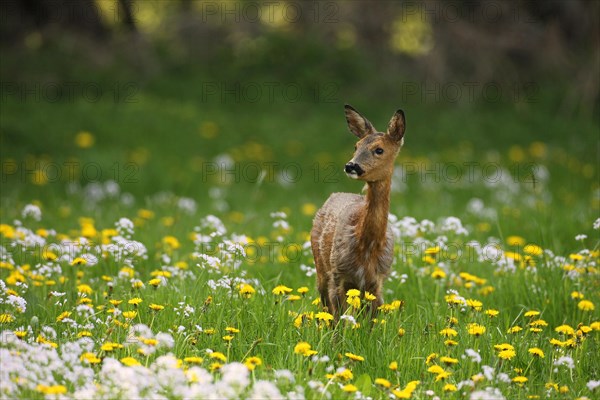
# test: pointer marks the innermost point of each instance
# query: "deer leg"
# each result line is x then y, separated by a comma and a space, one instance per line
336, 295
324, 292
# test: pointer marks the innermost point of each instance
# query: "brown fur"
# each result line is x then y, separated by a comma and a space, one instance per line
351, 241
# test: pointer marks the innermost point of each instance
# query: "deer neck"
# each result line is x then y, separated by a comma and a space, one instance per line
372, 224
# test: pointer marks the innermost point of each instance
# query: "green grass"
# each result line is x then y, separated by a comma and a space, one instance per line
167, 141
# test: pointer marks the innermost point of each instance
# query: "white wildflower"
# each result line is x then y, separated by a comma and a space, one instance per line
566, 361
265, 390
592, 385
33, 211
473, 355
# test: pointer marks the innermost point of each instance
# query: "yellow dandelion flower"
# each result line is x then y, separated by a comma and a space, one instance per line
43, 340
281, 289
512, 255
449, 388
504, 346
353, 293
565, 329
369, 296
85, 289
586, 305
536, 352
145, 214
171, 242
520, 380
448, 332
193, 360
474, 304
435, 369
20, 334
130, 361
90, 358
135, 301
304, 348
137, 284
129, 314
448, 360
450, 342
533, 250
393, 366
324, 316
252, 362
515, 241
577, 295
218, 355
563, 389
475, 329
51, 390
7, 231
354, 357
354, 302
246, 290
309, 209
350, 388
302, 290
79, 261
492, 313
63, 315
156, 307
344, 375
383, 382
294, 297
438, 274
84, 140
401, 394
557, 343
514, 329
583, 330
427, 259
442, 376
486, 290
538, 323
228, 338
155, 282
401, 332
430, 358
507, 354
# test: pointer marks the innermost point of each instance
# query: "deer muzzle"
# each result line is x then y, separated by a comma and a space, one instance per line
353, 170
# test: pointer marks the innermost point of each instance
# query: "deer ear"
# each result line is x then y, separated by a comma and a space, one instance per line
358, 125
397, 126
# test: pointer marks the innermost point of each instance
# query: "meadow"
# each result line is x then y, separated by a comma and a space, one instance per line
155, 245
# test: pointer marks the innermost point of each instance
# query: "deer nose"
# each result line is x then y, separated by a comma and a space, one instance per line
353, 168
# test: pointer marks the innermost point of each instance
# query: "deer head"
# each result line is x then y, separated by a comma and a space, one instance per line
375, 152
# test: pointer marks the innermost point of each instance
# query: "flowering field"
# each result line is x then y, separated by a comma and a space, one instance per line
167, 302
135, 266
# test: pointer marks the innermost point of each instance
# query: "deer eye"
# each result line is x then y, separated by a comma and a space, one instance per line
379, 151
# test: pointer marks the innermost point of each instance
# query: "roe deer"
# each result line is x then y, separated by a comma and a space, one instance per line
351, 241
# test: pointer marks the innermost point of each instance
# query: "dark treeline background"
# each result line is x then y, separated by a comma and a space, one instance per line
367, 44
